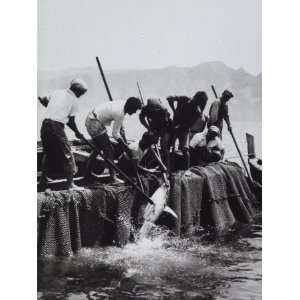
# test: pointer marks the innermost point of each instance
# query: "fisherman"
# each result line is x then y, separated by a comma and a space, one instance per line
185, 115
207, 147
156, 119
101, 117
129, 162
219, 111
61, 107
202, 120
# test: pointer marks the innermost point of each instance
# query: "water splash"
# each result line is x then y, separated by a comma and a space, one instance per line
160, 266
154, 257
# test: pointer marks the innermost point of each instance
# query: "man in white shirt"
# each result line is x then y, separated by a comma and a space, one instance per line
207, 147
61, 107
101, 117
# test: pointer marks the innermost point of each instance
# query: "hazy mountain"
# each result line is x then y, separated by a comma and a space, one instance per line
245, 106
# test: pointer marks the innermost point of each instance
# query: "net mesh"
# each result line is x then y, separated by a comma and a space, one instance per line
102, 215
216, 196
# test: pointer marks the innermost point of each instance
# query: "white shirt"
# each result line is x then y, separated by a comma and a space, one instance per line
199, 140
62, 105
111, 111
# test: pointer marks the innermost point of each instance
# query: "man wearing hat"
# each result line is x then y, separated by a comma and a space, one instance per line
97, 122
219, 111
207, 147
61, 108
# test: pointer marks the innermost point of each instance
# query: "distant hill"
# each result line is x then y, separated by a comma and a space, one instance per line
245, 106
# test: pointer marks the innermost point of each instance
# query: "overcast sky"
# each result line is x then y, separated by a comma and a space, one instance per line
136, 34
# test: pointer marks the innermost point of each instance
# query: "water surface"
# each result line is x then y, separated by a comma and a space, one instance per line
162, 267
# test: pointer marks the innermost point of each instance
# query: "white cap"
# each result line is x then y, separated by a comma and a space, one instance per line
214, 129
80, 83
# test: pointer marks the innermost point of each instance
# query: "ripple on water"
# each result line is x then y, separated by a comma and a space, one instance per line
161, 267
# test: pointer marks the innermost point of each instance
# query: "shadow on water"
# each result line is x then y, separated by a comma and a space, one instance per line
162, 267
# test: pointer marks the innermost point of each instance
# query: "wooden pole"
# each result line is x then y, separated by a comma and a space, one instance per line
250, 146
140, 93
104, 79
235, 142
214, 91
240, 154
122, 131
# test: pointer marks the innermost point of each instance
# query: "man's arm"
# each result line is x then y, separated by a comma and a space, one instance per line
123, 134
171, 100
72, 124
143, 121
116, 134
44, 101
178, 99
117, 125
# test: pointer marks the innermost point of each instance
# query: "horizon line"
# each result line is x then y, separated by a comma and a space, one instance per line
145, 68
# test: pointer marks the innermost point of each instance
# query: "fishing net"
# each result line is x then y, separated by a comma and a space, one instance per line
185, 199
219, 213
241, 199
58, 224
69, 220
102, 215
215, 196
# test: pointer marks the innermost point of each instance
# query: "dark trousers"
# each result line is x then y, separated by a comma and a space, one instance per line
183, 135
56, 147
102, 143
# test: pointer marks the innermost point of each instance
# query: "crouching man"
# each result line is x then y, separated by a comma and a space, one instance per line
207, 147
129, 162
61, 107
156, 118
96, 124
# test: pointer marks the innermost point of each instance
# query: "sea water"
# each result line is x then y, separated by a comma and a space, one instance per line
160, 267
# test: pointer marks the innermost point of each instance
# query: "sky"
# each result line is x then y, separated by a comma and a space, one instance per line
143, 34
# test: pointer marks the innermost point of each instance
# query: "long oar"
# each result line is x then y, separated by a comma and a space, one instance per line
140, 93
104, 79
235, 142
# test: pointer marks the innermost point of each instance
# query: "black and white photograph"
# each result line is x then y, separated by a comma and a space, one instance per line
149, 149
